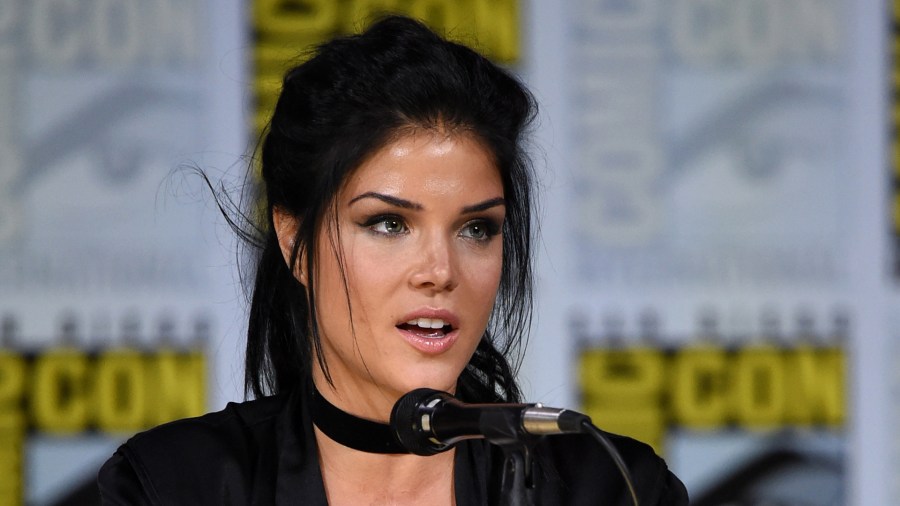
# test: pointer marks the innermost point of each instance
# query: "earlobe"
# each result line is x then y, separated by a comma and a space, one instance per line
286, 225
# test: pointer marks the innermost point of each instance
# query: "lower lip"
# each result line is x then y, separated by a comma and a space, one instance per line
430, 346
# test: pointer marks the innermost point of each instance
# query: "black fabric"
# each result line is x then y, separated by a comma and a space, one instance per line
352, 431
263, 452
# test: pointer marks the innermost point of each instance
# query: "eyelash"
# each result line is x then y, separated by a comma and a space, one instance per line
380, 219
491, 228
375, 223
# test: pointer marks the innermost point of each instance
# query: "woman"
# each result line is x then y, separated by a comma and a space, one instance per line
395, 255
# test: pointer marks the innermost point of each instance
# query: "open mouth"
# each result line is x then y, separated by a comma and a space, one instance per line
430, 328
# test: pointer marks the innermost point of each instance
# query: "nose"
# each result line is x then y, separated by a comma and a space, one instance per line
435, 268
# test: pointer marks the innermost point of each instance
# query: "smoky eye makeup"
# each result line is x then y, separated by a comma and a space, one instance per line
481, 229
387, 224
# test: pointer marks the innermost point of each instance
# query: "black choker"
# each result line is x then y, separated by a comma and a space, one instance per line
352, 431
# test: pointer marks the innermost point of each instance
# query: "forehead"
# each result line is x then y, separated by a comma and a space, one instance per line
433, 163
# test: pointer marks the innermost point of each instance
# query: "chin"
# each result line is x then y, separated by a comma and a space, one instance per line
443, 382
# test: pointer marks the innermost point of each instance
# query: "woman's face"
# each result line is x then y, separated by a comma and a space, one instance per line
418, 232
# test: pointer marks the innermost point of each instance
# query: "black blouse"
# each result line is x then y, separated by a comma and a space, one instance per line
263, 452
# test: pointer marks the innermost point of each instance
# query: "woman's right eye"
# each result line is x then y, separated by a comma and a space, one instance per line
386, 225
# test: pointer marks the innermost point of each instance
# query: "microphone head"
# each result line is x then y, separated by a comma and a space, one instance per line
408, 416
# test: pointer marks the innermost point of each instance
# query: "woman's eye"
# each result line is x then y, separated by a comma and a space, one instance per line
389, 225
480, 230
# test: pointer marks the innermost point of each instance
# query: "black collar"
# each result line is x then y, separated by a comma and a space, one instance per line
352, 431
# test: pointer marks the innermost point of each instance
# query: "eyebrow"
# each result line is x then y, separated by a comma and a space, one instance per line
487, 204
407, 204
394, 201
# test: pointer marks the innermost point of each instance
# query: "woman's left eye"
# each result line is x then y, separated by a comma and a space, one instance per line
480, 230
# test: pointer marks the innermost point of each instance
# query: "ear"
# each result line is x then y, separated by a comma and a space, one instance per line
286, 225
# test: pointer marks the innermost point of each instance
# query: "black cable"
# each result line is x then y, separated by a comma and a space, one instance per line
614, 454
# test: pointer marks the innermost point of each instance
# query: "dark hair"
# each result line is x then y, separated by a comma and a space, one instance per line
355, 95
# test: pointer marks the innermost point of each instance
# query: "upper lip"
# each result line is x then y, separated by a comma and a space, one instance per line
434, 313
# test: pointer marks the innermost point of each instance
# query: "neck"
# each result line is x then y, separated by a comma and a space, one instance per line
354, 477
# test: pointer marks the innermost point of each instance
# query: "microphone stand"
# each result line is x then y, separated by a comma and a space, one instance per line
517, 487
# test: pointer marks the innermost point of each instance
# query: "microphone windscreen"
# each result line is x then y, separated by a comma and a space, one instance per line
406, 422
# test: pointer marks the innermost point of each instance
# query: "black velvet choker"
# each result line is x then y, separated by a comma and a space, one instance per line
352, 431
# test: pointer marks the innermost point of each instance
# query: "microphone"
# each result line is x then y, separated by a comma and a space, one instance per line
427, 421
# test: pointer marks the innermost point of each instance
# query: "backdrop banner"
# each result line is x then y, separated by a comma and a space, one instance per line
719, 226
110, 296
707, 261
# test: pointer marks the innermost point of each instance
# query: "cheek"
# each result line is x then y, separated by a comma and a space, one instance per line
331, 300
483, 279
342, 282
372, 274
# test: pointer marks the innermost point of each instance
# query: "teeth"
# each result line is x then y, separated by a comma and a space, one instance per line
427, 323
